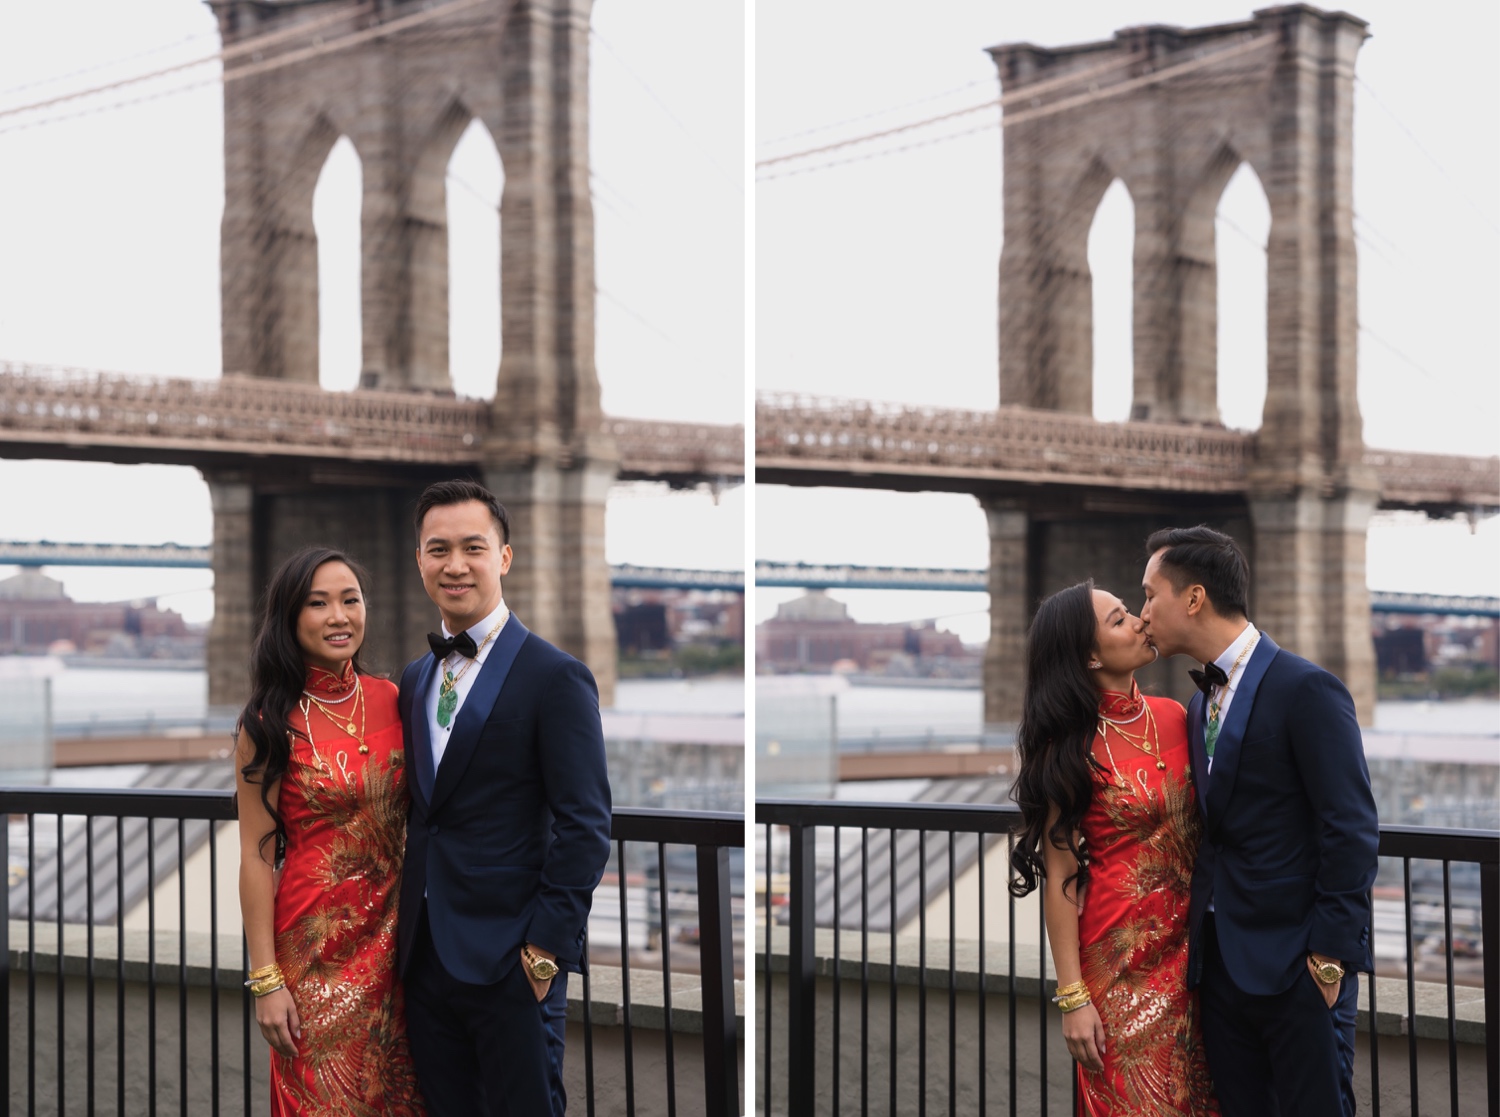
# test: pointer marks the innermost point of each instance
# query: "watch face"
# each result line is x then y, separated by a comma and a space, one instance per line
543, 970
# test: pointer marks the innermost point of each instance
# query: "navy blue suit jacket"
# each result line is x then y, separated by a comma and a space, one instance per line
1290, 830
509, 837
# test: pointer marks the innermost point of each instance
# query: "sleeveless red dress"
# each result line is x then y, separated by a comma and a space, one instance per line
335, 913
1141, 832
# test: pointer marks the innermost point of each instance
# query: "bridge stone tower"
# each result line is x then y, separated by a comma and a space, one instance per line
404, 98
1284, 106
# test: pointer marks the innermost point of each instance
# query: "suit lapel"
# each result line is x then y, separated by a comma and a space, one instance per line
421, 732
476, 709
1198, 752
1232, 732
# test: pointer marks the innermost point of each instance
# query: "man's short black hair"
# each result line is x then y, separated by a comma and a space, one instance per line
1202, 556
461, 492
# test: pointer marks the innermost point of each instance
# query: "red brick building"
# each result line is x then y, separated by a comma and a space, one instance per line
35, 614
814, 632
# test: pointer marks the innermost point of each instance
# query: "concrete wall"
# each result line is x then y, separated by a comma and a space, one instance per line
1034, 1018
648, 1038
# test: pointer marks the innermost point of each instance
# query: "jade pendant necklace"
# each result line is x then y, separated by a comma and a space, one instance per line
448, 690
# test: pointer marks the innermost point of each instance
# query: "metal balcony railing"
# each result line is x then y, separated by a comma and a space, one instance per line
847, 891
94, 858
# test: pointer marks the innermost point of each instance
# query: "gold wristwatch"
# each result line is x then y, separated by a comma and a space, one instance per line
544, 970
1329, 973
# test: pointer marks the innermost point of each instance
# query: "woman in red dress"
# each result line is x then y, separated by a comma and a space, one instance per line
322, 814
1111, 831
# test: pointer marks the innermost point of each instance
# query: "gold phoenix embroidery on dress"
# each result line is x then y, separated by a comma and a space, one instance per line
346, 1056
1156, 1050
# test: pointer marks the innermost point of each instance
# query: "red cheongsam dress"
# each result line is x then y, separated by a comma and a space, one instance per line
1141, 832
344, 803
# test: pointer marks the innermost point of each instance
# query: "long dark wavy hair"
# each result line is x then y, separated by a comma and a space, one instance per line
1059, 714
278, 674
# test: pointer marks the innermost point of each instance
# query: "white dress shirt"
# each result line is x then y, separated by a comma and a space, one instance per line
438, 734
1226, 661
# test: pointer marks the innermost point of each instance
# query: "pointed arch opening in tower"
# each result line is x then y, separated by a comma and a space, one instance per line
337, 200
1111, 264
476, 181
1242, 228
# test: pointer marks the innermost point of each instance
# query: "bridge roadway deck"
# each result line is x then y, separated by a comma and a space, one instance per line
802, 440
355, 436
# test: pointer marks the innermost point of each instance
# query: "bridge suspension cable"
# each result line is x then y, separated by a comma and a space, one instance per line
1026, 94
239, 49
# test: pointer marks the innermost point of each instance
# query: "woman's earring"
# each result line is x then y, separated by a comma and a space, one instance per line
1094, 665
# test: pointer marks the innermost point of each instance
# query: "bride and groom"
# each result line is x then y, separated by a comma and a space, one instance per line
1205, 873
417, 861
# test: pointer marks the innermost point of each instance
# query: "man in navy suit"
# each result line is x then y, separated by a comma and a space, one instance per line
1280, 912
509, 827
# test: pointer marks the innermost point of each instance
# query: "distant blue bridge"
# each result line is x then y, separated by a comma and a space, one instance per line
625, 576
176, 556
811, 576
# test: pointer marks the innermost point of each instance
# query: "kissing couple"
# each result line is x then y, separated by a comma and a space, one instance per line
417, 862
1206, 872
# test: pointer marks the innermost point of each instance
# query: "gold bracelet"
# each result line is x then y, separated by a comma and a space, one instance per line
1075, 1002
1069, 990
265, 980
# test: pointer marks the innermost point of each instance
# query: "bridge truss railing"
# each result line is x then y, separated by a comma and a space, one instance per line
1022, 444
242, 414
1015, 441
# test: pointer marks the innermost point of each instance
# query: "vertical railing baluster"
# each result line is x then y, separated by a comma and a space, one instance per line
838, 971
666, 973
864, 971
1010, 977
245, 1013
983, 1062
922, 974
1043, 1002
5, 962
1489, 936
88, 861
952, 977
893, 1060
1411, 984
588, 1030
625, 981
213, 964
767, 868
1374, 1044
62, 1032
120, 965
151, 963
31, 963
802, 977
721, 1037
182, 1029
1452, 1011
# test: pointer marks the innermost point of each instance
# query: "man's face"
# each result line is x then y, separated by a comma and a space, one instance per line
1165, 612
462, 560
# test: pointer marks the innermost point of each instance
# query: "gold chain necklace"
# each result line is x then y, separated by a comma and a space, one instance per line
346, 726
1220, 691
1148, 740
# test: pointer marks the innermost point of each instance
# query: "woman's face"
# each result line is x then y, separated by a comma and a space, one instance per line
331, 625
1120, 643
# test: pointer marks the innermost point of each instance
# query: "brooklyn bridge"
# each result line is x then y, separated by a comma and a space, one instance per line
1172, 113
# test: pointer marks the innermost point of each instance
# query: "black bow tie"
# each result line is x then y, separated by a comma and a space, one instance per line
1211, 676
463, 644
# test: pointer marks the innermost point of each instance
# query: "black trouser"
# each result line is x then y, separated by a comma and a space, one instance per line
1287, 1054
484, 1050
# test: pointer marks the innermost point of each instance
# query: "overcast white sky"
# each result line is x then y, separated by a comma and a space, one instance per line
878, 279
109, 233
